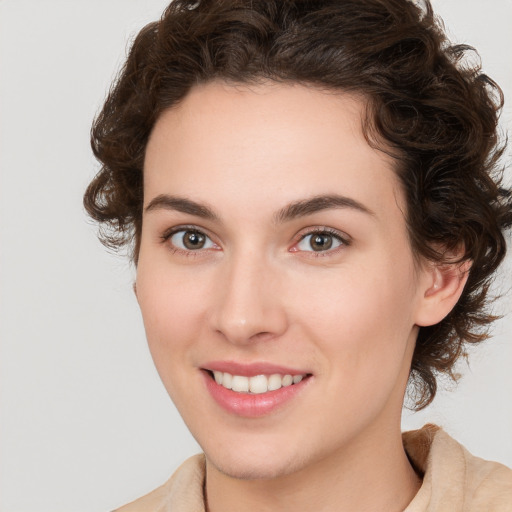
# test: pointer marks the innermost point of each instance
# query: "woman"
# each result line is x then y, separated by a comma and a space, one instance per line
313, 194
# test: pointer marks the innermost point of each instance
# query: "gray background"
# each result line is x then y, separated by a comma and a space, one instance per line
85, 422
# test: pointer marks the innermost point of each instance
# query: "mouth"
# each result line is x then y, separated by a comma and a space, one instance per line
256, 390
257, 384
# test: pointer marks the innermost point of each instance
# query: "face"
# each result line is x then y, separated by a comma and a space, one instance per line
275, 261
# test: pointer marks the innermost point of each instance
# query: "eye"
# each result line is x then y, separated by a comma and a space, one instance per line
320, 241
191, 240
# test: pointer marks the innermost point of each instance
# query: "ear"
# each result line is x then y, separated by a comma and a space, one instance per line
442, 286
135, 288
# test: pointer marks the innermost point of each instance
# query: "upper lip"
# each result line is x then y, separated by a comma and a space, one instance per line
252, 369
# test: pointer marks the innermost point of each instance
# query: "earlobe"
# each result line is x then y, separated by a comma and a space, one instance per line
443, 287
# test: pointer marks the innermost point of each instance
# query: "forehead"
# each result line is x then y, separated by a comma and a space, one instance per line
270, 143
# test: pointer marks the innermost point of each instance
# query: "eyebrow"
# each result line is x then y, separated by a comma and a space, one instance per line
315, 204
181, 204
292, 211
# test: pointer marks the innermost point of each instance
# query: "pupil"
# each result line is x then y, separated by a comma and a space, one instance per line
193, 240
321, 242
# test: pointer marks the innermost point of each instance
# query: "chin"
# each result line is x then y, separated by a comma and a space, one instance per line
259, 467
256, 463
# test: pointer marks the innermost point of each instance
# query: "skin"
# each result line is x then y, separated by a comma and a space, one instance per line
257, 291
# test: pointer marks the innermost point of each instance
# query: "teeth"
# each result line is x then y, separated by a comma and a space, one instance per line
240, 383
227, 380
257, 384
275, 382
287, 380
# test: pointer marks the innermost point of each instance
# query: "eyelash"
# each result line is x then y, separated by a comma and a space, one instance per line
340, 237
343, 239
168, 234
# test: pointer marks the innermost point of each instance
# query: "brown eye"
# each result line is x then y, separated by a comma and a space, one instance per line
191, 240
320, 241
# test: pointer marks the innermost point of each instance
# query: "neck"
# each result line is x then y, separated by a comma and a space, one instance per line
372, 474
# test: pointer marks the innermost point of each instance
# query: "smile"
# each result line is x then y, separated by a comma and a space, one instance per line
257, 384
254, 390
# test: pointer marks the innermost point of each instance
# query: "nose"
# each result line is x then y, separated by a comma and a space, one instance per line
248, 306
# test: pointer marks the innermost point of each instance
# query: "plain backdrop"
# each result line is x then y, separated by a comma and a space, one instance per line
85, 423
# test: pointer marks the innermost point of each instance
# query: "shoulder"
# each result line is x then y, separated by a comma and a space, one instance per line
455, 477
183, 491
488, 484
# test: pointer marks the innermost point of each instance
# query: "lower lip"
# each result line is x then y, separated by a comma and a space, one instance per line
252, 405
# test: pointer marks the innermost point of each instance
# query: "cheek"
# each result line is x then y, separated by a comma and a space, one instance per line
361, 317
173, 309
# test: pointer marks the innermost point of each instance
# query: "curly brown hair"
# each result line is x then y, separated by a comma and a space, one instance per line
435, 113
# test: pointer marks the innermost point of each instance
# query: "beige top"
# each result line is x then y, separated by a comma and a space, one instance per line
454, 480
